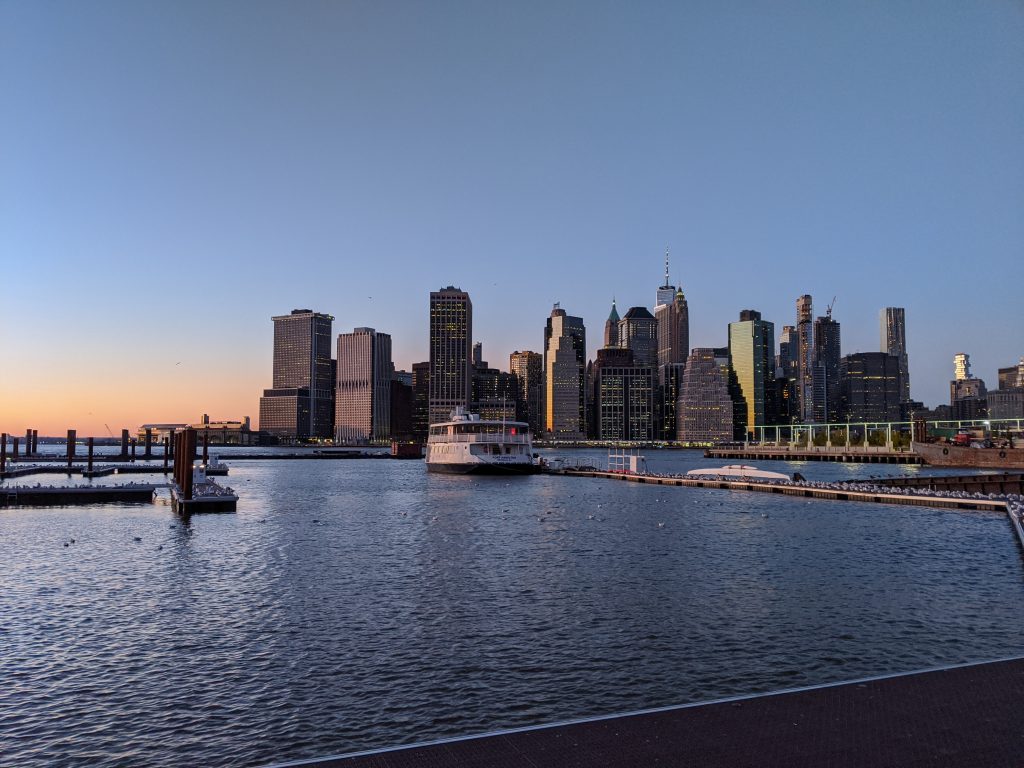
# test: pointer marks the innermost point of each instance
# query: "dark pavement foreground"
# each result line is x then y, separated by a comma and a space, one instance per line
964, 716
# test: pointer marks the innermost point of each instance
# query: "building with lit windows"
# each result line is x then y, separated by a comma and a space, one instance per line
565, 383
870, 387
624, 397
300, 405
362, 400
529, 369
752, 358
451, 344
827, 353
704, 412
638, 331
805, 358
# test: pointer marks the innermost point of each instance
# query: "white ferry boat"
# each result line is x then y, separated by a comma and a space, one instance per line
468, 444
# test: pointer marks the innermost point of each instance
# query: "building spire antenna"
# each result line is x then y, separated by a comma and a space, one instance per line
666, 267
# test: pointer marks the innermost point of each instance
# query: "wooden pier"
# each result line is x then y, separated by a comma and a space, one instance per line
803, 491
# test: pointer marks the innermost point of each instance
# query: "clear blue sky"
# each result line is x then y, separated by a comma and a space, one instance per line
172, 174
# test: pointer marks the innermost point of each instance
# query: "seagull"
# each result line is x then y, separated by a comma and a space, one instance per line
178, 363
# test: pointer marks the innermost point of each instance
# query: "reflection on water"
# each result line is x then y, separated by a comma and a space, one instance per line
357, 604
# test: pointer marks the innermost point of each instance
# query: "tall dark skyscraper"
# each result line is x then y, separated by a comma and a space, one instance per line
451, 343
528, 368
420, 399
786, 372
752, 358
565, 379
869, 388
826, 369
805, 361
894, 342
300, 406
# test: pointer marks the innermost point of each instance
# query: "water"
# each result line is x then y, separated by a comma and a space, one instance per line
356, 604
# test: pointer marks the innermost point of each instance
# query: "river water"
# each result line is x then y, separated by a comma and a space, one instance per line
358, 604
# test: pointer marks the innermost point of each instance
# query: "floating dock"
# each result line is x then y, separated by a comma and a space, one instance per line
966, 715
206, 497
847, 455
804, 491
51, 496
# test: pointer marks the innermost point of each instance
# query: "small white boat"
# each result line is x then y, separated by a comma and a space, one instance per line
737, 472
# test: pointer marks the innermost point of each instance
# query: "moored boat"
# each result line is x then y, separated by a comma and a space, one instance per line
737, 472
950, 455
468, 444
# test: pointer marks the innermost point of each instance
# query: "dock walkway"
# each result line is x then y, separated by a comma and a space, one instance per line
966, 715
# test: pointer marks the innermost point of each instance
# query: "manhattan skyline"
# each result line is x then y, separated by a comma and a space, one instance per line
172, 180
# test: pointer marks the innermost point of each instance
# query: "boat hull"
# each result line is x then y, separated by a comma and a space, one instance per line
944, 455
481, 468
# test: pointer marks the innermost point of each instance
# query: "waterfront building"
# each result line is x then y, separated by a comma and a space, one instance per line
894, 342
870, 387
670, 378
420, 400
638, 331
362, 399
624, 397
300, 404
752, 359
228, 432
451, 343
827, 345
704, 412
611, 328
528, 368
565, 384
805, 358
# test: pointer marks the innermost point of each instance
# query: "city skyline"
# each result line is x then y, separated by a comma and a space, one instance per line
160, 181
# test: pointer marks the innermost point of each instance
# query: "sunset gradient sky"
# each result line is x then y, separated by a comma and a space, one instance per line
174, 174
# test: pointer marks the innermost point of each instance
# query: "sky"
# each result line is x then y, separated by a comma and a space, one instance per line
174, 174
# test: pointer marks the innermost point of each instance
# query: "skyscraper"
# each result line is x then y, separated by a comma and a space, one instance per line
786, 371
300, 404
894, 342
420, 399
624, 397
362, 400
869, 388
752, 357
805, 361
673, 321
638, 331
827, 354
565, 390
667, 292
704, 413
451, 343
528, 368
611, 328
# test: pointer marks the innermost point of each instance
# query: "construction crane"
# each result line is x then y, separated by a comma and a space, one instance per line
108, 429
828, 312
